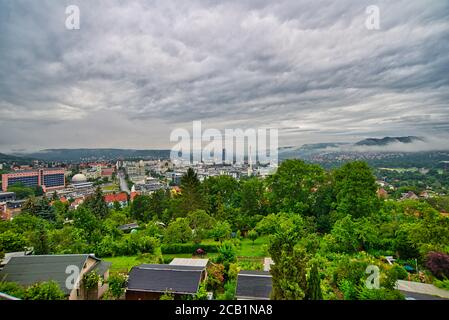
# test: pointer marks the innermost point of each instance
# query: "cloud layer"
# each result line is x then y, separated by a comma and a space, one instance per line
138, 69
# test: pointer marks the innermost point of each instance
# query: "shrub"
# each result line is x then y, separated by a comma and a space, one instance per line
167, 296
13, 289
215, 277
45, 291
379, 294
438, 264
117, 284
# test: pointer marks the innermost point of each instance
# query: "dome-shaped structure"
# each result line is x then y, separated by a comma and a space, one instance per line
79, 178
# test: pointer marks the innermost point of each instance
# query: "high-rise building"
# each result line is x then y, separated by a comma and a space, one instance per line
48, 179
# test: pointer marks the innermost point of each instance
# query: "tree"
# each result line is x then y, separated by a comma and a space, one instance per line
178, 231
97, 204
345, 235
200, 222
39, 240
11, 241
221, 192
44, 210
140, 207
221, 230
292, 186
290, 261
252, 235
355, 188
191, 197
86, 220
313, 285
252, 197
21, 191
159, 202
438, 264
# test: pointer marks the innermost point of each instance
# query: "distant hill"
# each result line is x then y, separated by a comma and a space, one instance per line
6, 158
97, 154
388, 140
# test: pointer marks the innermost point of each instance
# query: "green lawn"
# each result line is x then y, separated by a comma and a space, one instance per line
247, 248
111, 188
122, 263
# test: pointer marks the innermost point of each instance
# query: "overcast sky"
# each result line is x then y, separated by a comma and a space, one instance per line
138, 69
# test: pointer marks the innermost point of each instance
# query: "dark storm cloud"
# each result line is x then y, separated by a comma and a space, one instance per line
138, 69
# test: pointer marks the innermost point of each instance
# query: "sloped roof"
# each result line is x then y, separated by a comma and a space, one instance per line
119, 197
163, 277
254, 285
189, 262
128, 226
28, 270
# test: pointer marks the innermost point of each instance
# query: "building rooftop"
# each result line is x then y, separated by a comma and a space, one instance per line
189, 262
161, 278
255, 285
27, 270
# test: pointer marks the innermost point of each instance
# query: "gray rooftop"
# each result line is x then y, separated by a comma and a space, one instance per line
28, 270
255, 285
163, 277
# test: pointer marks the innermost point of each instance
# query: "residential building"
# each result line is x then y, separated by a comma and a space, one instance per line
121, 198
28, 270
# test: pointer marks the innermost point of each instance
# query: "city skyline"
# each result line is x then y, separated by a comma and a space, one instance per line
135, 71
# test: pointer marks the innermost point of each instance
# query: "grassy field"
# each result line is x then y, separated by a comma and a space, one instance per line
113, 187
247, 248
122, 263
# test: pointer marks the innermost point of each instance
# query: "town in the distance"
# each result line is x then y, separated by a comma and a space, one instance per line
332, 222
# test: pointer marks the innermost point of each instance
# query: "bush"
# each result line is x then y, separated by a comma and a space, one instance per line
215, 277
117, 284
13, 289
229, 293
438, 264
45, 291
379, 294
443, 284
175, 248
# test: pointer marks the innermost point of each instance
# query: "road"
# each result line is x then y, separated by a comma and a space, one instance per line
421, 291
123, 184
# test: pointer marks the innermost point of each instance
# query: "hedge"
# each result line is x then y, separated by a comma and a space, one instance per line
173, 248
